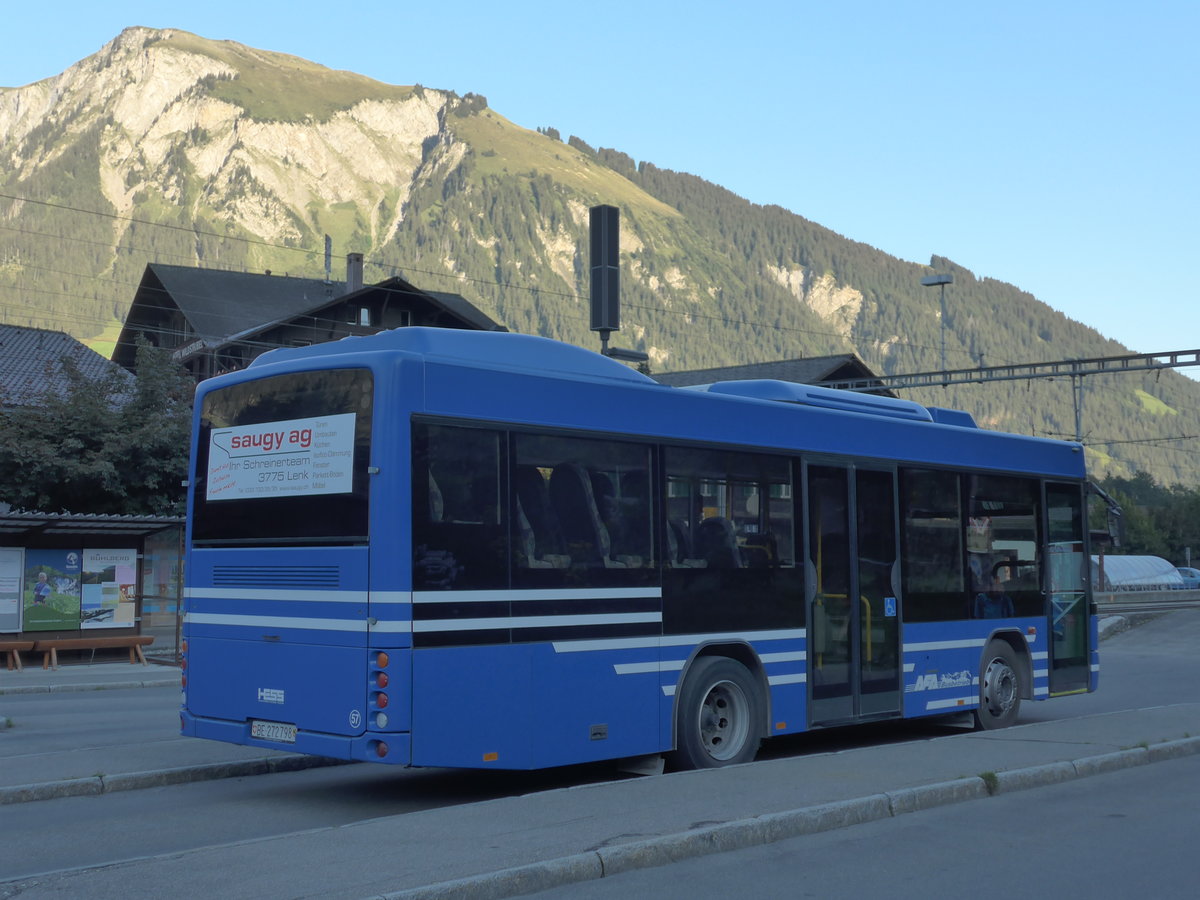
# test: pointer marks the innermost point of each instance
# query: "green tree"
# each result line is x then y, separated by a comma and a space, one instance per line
150, 449
112, 446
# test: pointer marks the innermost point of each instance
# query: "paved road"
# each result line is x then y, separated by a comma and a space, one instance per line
466, 824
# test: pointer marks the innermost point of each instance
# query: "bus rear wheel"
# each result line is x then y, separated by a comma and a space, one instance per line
719, 717
999, 688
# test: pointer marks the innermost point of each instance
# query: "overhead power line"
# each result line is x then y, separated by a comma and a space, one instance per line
184, 228
1071, 368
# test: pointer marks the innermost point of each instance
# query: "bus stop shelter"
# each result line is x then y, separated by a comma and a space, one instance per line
90, 582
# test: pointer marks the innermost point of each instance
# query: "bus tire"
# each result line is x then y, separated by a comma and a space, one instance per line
719, 717
999, 687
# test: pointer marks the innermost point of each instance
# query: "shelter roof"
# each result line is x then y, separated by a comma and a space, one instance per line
20, 524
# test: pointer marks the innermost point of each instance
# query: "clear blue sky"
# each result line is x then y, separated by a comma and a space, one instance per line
1053, 145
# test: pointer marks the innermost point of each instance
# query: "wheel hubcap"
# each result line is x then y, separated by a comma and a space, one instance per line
999, 687
724, 721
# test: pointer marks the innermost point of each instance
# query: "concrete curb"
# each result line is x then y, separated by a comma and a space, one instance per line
774, 827
91, 686
132, 781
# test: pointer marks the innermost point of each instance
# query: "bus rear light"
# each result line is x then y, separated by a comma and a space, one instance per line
381, 749
381, 720
183, 680
381, 700
381, 660
381, 679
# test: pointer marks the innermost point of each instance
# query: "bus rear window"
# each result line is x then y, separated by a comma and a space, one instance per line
284, 460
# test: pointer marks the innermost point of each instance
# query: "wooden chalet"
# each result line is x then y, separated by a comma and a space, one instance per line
216, 321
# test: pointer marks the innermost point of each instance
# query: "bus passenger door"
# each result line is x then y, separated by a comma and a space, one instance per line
1070, 623
853, 607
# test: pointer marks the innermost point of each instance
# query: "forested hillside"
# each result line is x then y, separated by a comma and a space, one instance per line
168, 147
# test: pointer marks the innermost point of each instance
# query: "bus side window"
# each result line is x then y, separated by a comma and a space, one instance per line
459, 539
931, 546
586, 503
729, 523
1003, 547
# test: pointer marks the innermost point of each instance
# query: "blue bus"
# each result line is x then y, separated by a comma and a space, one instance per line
433, 547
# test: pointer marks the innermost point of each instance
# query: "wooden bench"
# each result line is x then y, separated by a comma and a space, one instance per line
135, 642
13, 649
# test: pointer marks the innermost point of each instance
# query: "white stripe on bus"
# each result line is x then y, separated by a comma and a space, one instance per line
666, 665
401, 626
944, 645
306, 596
674, 640
506, 622
796, 678
796, 656
193, 618
541, 594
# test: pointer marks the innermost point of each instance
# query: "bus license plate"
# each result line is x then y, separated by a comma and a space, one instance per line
278, 732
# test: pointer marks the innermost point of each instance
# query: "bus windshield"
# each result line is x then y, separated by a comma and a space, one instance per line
284, 460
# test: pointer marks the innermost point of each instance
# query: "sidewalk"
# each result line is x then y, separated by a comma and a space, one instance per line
99, 676
44, 767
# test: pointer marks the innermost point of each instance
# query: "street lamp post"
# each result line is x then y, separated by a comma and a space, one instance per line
941, 281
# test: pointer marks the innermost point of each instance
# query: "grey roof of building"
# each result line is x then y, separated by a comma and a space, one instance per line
220, 304
223, 306
810, 370
31, 364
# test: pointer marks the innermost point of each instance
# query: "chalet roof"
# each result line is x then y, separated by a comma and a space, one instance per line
221, 307
457, 306
220, 304
31, 364
810, 370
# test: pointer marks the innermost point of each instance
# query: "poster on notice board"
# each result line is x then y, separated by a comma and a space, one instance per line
52, 590
12, 561
109, 588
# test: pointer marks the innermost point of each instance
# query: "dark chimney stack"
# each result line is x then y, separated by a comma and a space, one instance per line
354, 272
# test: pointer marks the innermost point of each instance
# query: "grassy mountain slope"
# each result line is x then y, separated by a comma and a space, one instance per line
198, 152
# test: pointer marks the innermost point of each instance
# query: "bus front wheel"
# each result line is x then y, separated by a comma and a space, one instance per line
999, 688
719, 717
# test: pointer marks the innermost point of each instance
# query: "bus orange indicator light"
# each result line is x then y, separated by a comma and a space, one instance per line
779, 726
491, 757
381, 660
